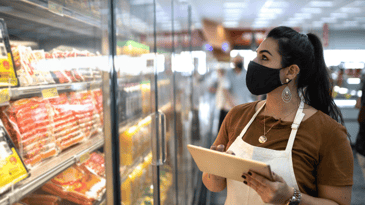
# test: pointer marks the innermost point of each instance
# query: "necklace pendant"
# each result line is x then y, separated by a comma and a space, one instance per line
262, 139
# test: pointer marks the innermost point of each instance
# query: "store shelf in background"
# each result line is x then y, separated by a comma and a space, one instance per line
51, 168
31, 91
36, 17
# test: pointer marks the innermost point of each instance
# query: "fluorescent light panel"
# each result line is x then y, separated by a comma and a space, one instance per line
350, 10
312, 10
272, 11
321, 4
339, 15
303, 15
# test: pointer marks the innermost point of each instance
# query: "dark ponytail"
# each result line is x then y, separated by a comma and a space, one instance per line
313, 80
319, 90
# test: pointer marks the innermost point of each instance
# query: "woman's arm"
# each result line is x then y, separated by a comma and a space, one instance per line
214, 183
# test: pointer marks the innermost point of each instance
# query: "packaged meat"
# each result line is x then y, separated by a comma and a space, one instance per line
85, 112
12, 168
76, 185
30, 126
66, 130
98, 102
95, 164
39, 55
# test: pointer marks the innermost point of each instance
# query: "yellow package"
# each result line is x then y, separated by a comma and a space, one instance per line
12, 168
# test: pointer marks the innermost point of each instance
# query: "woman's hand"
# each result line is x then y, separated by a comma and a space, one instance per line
219, 148
274, 192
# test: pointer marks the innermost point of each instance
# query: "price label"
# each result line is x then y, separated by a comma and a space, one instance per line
50, 93
54, 7
84, 157
4, 95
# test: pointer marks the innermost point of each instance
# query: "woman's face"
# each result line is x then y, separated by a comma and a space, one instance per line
268, 54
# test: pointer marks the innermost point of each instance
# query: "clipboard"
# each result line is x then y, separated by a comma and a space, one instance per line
226, 165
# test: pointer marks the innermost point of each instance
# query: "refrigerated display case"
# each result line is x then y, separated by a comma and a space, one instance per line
94, 102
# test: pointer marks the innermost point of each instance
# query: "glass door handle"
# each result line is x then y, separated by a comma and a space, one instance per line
158, 142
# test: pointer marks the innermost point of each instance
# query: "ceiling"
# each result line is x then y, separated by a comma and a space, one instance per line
306, 14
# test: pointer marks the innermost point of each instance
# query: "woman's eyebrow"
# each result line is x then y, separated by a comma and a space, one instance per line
263, 51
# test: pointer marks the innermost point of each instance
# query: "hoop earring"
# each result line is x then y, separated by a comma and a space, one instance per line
286, 94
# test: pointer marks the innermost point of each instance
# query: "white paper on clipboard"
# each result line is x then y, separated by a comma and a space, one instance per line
226, 165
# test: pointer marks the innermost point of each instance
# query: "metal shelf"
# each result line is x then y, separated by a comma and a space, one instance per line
34, 15
51, 168
31, 91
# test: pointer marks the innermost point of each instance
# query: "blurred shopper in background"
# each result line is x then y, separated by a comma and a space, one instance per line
296, 130
220, 99
234, 88
360, 140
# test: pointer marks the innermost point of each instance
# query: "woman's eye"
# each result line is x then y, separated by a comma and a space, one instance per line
263, 57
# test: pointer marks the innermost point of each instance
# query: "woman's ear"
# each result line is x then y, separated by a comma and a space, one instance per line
292, 71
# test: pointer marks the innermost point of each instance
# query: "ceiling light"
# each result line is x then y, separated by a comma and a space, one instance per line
321, 3
350, 10
312, 10
234, 5
272, 11
339, 15
303, 15
350, 23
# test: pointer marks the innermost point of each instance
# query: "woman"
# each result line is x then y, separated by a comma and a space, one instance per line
295, 131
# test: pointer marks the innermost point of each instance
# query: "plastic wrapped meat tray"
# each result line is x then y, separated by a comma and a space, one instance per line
76, 185
95, 164
30, 127
26, 61
85, 112
66, 130
98, 99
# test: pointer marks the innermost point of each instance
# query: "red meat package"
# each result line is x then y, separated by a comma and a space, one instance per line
98, 100
57, 72
85, 112
26, 62
66, 130
76, 185
96, 164
30, 127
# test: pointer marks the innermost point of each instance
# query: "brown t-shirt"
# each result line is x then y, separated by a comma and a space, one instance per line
321, 152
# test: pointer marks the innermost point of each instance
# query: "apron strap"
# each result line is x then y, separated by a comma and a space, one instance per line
250, 122
297, 120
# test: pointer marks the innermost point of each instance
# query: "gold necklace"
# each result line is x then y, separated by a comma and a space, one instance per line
263, 138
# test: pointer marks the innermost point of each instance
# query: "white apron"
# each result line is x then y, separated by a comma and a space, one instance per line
280, 162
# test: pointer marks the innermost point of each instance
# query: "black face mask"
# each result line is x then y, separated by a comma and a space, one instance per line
261, 79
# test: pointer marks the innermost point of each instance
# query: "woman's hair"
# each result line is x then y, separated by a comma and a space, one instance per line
305, 51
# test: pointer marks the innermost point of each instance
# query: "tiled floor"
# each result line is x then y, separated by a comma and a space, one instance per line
358, 189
